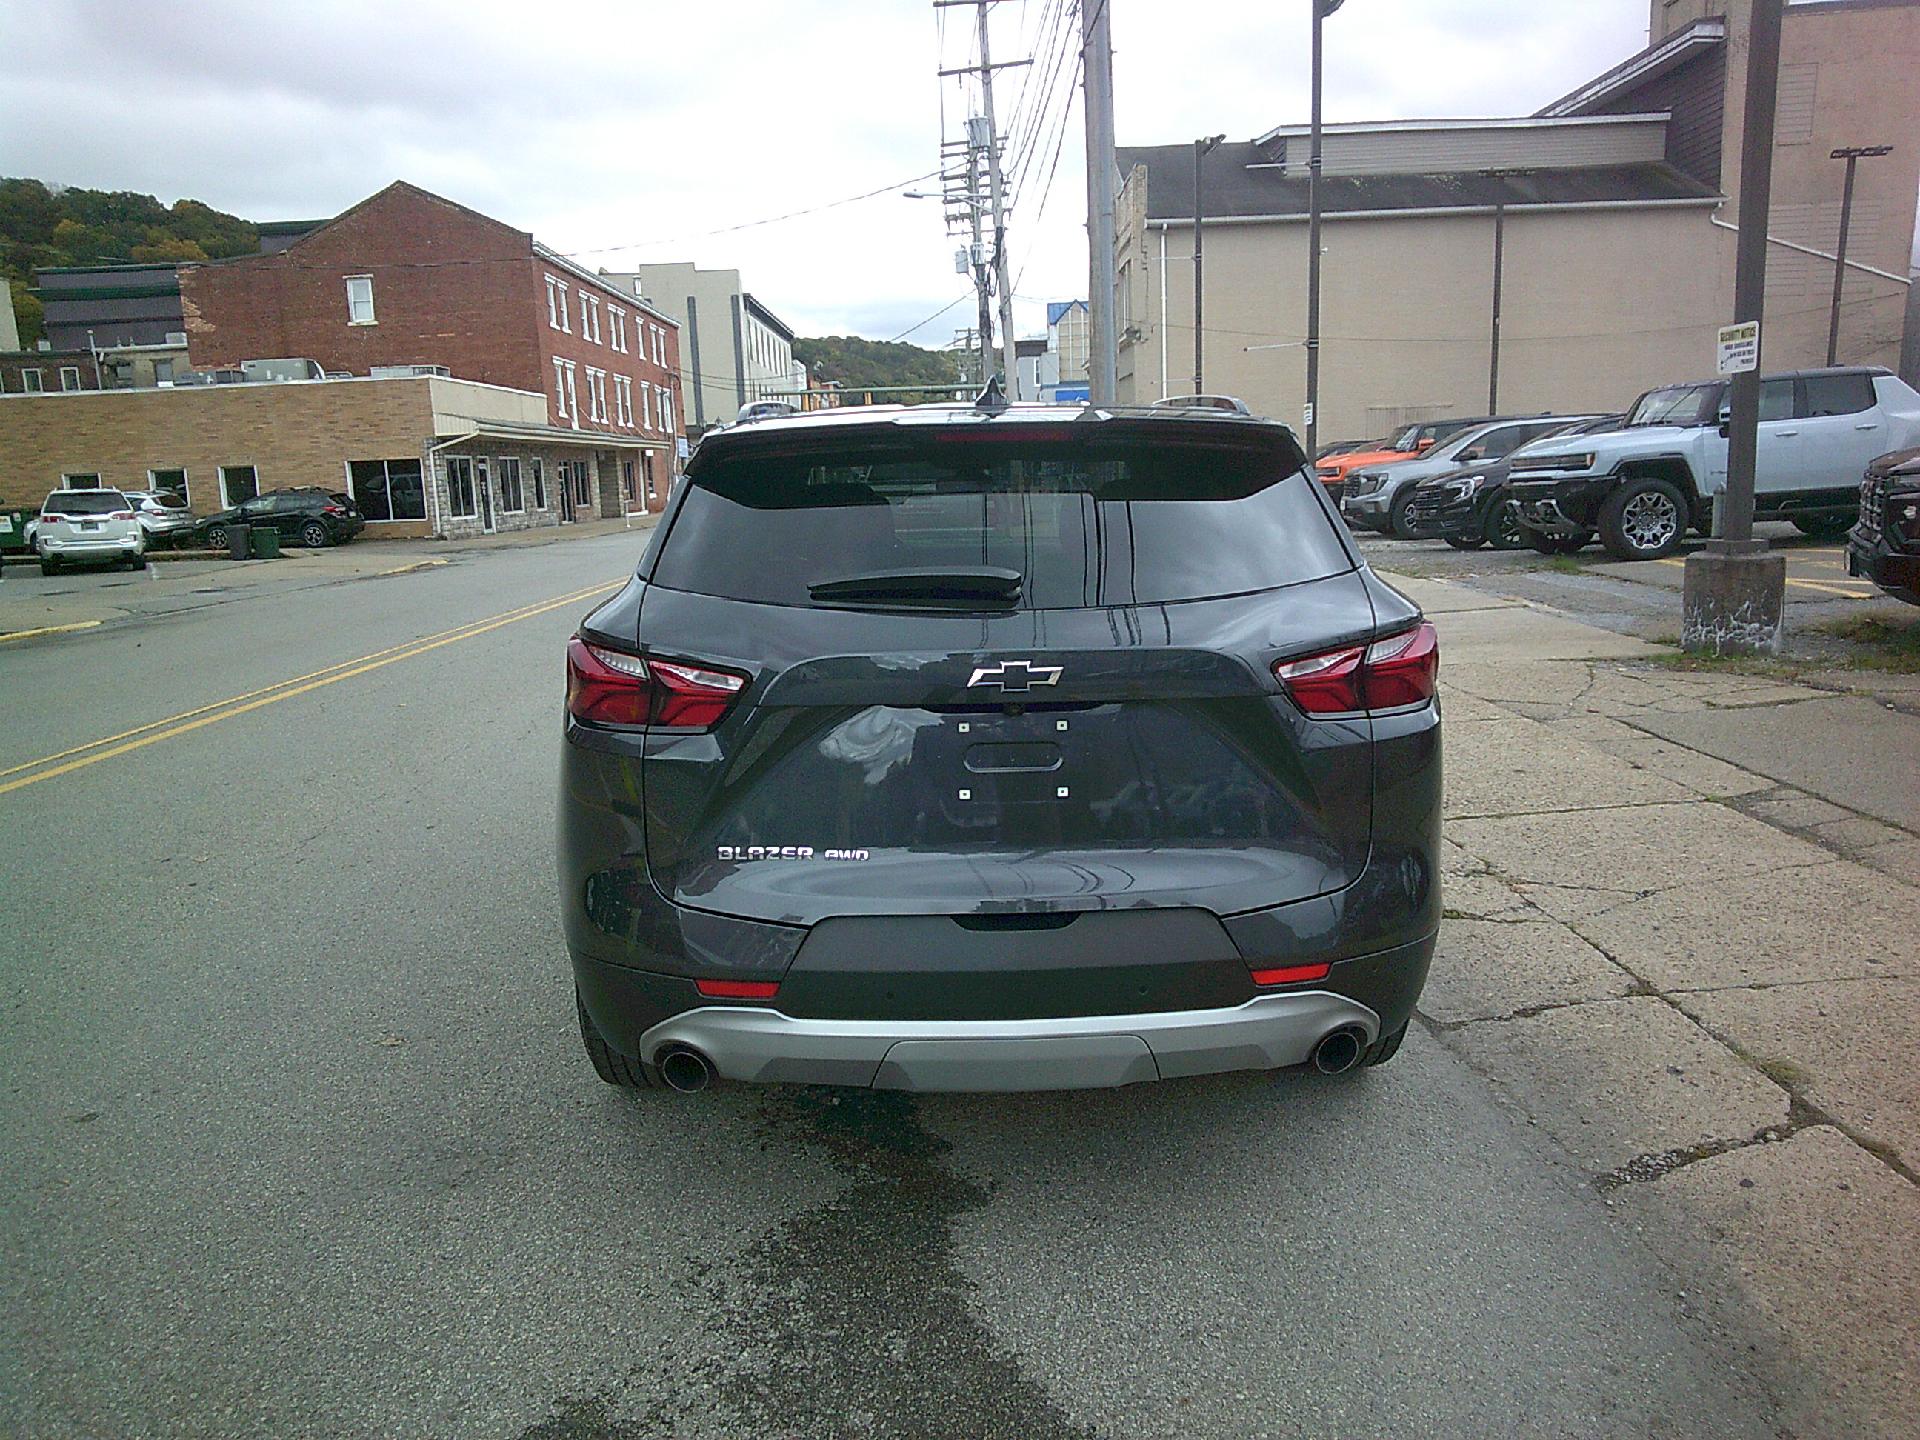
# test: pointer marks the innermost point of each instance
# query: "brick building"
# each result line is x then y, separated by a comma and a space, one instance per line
422, 455
407, 278
32, 372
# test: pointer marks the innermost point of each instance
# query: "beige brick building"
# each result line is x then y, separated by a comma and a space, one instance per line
422, 455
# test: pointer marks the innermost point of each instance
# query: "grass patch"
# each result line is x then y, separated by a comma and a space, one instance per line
1566, 564
1787, 1074
1883, 644
1770, 666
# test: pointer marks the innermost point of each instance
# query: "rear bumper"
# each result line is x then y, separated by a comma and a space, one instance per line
762, 1045
1896, 573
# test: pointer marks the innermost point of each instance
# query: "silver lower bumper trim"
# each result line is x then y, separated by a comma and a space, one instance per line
1268, 1032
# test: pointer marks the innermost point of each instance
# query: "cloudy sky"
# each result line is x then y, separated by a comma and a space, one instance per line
623, 132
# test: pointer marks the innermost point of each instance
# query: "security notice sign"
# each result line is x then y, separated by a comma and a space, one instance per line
1739, 347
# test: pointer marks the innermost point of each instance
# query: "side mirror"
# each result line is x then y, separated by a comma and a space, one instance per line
1422, 446
1471, 454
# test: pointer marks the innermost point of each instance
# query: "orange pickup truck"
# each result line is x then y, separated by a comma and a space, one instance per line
1413, 440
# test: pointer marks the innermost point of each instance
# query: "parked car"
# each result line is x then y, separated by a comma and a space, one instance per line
1471, 505
306, 515
998, 748
1409, 441
163, 515
1884, 544
1347, 447
88, 527
1377, 497
1643, 486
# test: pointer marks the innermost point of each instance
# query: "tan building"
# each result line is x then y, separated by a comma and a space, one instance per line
421, 455
1607, 273
1617, 239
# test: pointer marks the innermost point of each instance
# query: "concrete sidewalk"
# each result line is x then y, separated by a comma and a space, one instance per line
1680, 938
32, 605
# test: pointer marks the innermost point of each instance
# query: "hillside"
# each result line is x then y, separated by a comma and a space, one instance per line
855, 362
56, 225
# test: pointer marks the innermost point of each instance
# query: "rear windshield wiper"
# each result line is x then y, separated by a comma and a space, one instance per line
928, 585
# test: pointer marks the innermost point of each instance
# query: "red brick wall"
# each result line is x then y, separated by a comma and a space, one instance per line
450, 287
637, 363
49, 363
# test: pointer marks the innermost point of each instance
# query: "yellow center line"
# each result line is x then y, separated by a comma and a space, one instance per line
273, 694
1832, 589
6, 635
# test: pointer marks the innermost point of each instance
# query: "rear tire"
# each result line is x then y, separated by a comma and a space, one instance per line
313, 535
1644, 520
1504, 530
1823, 527
217, 538
1387, 1046
49, 565
608, 1063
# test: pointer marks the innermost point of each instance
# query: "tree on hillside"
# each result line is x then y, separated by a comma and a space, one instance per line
856, 362
49, 225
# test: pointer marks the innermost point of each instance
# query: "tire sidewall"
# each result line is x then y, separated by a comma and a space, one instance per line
1613, 519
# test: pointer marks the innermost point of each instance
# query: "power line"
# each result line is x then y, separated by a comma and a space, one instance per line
958, 300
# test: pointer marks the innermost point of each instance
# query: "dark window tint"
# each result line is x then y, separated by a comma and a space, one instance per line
1498, 444
1838, 394
1083, 523
1776, 399
388, 489
85, 502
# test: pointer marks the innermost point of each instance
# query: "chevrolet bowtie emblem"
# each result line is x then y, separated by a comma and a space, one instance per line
1015, 677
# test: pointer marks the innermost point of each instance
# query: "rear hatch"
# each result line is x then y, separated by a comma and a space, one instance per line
90, 516
1004, 666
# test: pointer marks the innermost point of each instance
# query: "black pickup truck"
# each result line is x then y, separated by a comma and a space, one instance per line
1884, 545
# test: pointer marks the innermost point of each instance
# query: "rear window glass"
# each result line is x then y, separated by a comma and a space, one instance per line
1839, 394
85, 502
1107, 523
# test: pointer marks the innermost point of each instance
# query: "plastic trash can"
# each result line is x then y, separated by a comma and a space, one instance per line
265, 541
240, 542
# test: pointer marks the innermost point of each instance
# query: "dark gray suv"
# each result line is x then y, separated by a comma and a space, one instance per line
989, 748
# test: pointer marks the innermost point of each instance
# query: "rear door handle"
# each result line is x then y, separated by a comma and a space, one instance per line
1784, 434
1870, 425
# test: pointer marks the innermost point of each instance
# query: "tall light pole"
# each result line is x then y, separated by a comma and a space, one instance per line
1499, 265
1321, 9
1201, 149
1733, 599
1852, 154
1096, 53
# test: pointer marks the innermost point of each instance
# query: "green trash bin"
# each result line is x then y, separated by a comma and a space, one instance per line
265, 541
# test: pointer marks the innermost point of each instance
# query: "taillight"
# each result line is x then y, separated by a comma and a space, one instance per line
612, 687
52, 515
121, 515
332, 510
1389, 674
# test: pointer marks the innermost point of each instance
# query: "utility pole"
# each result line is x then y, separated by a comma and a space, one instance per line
1201, 148
1734, 595
1852, 154
1321, 9
1096, 55
1499, 264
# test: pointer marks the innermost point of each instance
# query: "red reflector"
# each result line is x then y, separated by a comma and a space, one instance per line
738, 989
1291, 974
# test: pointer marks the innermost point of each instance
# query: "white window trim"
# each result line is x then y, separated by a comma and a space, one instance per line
67, 477
372, 314
537, 467
573, 395
227, 502
666, 410
596, 395
65, 371
560, 387
617, 323
553, 305
153, 483
566, 325
519, 483
39, 384
453, 510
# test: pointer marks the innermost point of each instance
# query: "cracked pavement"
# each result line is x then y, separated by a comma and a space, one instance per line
1682, 909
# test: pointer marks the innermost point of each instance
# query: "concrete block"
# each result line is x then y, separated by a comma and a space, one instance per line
1488, 968
1819, 1237
1618, 1079
1733, 604
1847, 1045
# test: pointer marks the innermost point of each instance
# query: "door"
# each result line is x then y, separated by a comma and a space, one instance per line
563, 474
1841, 428
1779, 457
483, 483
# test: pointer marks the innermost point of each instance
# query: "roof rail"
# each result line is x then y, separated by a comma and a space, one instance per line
764, 410
1230, 404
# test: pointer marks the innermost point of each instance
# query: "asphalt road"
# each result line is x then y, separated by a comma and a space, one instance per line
299, 1139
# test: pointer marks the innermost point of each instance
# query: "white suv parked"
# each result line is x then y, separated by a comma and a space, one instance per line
88, 526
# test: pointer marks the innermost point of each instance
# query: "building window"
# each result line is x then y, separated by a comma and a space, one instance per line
163, 372
646, 405
666, 410
388, 489
86, 480
512, 499
69, 377
582, 484
646, 465
461, 501
556, 303
596, 395
238, 483
360, 300
659, 346
623, 400
32, 382
559, 388
626, 481
617, 324
537, 468
168, 482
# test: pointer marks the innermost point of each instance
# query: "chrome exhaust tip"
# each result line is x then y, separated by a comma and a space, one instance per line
1340, 1050
685, 1069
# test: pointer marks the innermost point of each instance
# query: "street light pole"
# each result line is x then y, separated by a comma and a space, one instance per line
1201, 148
1096, 52
1852, 154
1493, 354
1733, 599
1321, 9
